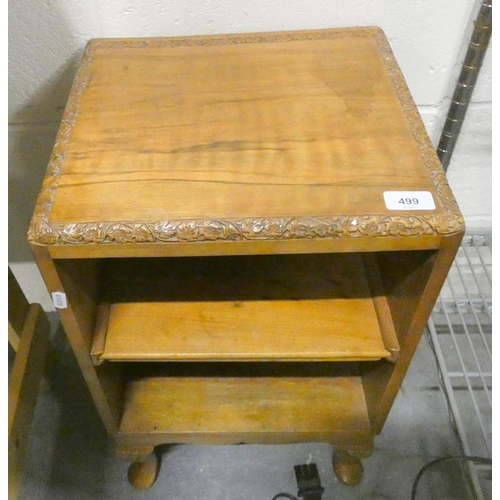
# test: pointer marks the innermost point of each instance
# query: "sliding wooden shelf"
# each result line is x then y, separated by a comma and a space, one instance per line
195, 331
338, 318
232, 404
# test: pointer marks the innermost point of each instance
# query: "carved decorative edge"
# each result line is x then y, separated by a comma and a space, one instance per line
242, 229
234, 39
40, 231
447, 221
451, 217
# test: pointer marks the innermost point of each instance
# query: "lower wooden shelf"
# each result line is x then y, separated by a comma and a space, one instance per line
244, 407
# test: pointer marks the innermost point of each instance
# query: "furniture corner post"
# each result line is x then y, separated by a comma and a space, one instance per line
78, 322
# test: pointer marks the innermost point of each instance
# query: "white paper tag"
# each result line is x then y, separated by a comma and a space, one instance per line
59, 299
409, 200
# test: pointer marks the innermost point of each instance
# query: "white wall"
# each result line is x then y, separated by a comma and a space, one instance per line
46, 37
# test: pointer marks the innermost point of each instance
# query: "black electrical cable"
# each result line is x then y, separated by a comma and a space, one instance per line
459, 458
285, 495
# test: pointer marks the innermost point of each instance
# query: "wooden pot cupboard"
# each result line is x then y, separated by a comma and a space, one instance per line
244, 236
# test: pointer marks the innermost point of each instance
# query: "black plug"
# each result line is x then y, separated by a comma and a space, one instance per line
308, 482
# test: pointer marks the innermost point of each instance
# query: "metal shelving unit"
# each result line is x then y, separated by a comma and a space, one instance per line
460, 334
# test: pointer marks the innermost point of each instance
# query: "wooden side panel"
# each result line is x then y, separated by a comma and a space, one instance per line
18, 311
78, 280
23, 389
405, 276
381, 305
412, 284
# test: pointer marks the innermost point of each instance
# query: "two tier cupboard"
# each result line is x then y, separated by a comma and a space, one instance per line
244, 236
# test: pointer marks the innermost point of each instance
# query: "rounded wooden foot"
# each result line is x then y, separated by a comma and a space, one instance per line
142, 474
348, 469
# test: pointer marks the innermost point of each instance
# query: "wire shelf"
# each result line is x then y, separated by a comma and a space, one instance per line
460, 335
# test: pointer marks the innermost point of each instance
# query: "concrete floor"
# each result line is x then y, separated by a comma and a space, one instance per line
70, 456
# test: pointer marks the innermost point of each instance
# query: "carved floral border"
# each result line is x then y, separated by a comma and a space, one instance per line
446, 220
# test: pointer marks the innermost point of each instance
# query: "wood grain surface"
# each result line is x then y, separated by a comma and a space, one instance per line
187, 407
291, 330
239, 137
220, 198
24, 384
306, 128
290, 307
18, 310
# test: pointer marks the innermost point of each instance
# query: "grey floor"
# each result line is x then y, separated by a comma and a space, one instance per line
70, 456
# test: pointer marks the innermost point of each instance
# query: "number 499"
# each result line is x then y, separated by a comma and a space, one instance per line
408, 201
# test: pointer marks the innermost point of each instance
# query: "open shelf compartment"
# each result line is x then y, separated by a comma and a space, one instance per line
244, 402
327, 307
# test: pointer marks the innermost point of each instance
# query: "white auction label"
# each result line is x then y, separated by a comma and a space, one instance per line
59, 299
409, 200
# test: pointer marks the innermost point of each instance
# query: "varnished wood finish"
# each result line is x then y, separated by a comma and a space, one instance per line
79, 280
132, 453
24, 384
78, 320
218, 115
18, 310
224, 195
100, 331
242, 278
29, 331
386, 326
251, 330
142, 474
280, 142
412, 282
260, 247
245, 403
347, 468
260, 308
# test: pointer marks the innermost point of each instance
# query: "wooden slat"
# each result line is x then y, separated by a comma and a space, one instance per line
23, 389
248, 247
249, 409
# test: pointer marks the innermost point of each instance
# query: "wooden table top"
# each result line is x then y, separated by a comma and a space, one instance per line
276, 136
